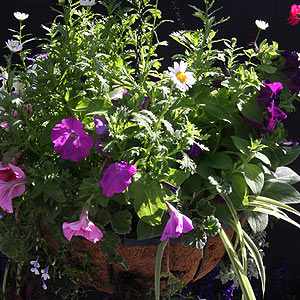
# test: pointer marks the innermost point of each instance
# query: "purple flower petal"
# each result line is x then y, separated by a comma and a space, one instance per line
70, 140
100, 125
177, 224
116, 178
269, 92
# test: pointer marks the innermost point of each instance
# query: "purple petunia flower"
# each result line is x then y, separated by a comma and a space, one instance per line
293, 82
292, 62
253, 45
177, 224
289, 144
116, 178
146, 104
194, 151
274, 114
70, 140
269, 92
98, 146
219, 200
100, 125
170, 187
251, 123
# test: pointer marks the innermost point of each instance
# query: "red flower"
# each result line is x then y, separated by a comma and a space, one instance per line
293, 19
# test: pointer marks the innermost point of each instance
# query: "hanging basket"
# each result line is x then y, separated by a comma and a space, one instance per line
186, 263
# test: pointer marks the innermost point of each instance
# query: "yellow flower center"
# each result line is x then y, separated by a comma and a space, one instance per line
181, 77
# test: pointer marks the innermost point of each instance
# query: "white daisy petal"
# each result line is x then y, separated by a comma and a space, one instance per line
87, 2
262, 25
20, 16
14, 46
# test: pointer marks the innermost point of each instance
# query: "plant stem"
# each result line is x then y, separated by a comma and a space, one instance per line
5, 278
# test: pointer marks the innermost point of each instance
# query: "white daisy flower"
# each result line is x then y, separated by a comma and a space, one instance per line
14, 46
262, 25
183, 80
20, 16
87, 2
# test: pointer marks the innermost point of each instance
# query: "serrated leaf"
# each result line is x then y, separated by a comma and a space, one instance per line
222, 186
121, 222
168, 126
212, 225
109, 243
204, 208
195, 239
54, 192
254, 177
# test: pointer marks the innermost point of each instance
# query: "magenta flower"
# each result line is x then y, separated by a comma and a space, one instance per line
15, 156
268, 93
12, 184
84, 227
177, 224
70, 140
116, 178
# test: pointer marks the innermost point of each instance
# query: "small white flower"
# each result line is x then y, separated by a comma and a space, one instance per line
45, 274
116, 93
262, 25
13, 46
87, 2
183, 80
44, 285
21, 16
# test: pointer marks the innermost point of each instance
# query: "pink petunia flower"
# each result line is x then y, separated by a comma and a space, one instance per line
177, 224
70, 140
116, 178
293, 19
12, 184
84, 227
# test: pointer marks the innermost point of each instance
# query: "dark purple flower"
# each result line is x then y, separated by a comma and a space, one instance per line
194, 151
146, 104
291, 62
269, 92
251, 123
219, 200
229, 293
253, 45
293, 82
70, 140
83, 78
217, 82
98, 146
116, 178
100, 125
170, 187
274, 114
289, 144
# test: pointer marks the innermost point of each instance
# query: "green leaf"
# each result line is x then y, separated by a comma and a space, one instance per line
251, 110
109, 243
288, 155
257, 221
281, 192
237, 267
176, 177
204, 170
212, 225
220, 160
241, 144
195, 238
254, 178
239, 194
217, 112
146, 231
148, 200
9, 245
221, 185
267, 68
204, 208
264, 158
285, 175
54, 191
121, 222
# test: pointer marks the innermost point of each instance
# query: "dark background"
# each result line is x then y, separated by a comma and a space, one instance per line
284, 243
